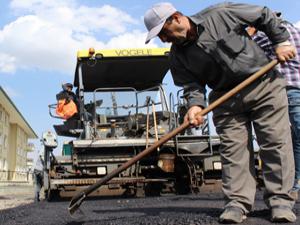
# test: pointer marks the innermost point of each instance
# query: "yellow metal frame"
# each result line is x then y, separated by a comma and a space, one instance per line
132, 52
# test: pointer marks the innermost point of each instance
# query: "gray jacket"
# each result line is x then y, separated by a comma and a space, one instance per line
222, 37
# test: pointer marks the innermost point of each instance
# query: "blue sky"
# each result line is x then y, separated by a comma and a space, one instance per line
39, 40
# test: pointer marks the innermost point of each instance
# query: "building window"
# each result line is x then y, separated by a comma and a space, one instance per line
5, 119
1, 138
5, 141
5, 167
1, 164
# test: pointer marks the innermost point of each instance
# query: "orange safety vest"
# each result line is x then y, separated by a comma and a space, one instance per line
66, 109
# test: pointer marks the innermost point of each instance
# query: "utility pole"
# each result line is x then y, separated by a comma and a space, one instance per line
114, 103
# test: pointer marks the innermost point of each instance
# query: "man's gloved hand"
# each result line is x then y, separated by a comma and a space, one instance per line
191, 116
285, 51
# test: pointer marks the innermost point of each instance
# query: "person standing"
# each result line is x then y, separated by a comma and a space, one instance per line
212, 48
38, 177
291, 72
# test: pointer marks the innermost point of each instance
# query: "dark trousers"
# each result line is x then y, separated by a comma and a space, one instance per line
38, 184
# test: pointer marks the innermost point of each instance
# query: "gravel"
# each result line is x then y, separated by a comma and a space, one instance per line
15, 194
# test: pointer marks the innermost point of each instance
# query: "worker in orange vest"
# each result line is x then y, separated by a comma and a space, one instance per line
67, 105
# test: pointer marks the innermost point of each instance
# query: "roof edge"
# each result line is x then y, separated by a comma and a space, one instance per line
11, 102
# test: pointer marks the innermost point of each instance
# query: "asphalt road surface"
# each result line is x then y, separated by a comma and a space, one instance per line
203, 208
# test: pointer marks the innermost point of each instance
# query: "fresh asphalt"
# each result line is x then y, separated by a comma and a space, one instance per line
193, 209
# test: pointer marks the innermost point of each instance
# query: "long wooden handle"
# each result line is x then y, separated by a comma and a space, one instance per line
78, 199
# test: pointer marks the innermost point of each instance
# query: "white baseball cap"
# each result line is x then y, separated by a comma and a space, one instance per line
156, 17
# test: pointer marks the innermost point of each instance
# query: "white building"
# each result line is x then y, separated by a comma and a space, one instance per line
14, 134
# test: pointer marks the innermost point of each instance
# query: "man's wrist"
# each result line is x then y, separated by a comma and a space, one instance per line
285, 43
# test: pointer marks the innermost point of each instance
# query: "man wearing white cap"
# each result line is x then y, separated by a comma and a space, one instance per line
212, 48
